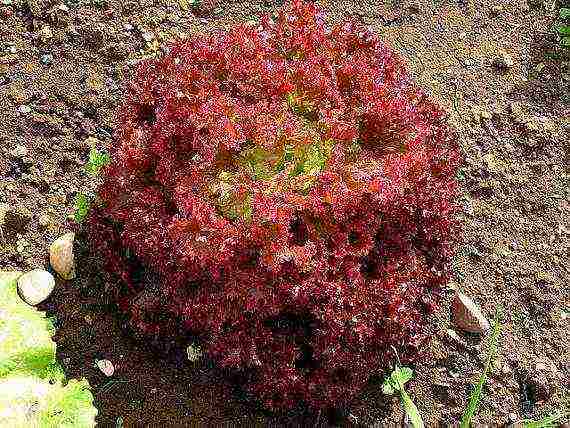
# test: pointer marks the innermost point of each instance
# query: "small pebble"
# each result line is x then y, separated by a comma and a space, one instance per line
61, 256
106, 367
44, 220
19, 151
46, 59
467, 315
497, 10
503, 60
36, 286
194, 353
21, 245
148, 36
46, 33
24, 109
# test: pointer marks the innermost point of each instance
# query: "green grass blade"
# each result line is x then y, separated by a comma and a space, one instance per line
551, 421
475, 397
564, 30
565, 13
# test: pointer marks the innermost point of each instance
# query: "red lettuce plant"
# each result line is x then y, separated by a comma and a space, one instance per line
287, 193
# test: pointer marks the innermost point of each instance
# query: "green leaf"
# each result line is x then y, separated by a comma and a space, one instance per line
565, 41
26, 344
97, 161
399, 376
565, 13
411, 410
395, 383
82, 205
564, 30
475, 397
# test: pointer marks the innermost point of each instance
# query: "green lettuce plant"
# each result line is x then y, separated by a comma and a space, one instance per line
33, 389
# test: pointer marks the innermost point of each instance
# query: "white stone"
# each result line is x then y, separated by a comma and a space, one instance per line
106, 367
36, 286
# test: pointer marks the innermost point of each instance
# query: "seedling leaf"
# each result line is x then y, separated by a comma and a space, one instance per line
82, 205
401, 374
411, 410
97, 161
564, 30
565, 13
395, 383
33, 391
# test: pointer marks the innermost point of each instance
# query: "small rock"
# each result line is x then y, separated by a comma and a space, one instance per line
24, 109
19, 151
44, 220
148, 36
46, 59
503, 60
194, 353
451, 334
497, 10
36, 286
467, 316
545, 378
106, 367
61, 256
21, 245
46, 33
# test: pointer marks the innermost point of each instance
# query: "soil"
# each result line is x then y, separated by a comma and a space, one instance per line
63, 67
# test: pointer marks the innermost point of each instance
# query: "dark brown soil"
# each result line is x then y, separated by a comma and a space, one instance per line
62, 71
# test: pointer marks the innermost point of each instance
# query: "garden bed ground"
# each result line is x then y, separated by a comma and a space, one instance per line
62, 67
